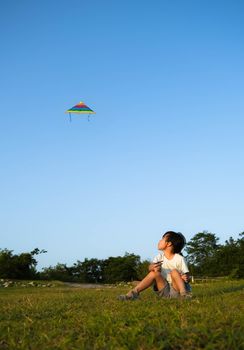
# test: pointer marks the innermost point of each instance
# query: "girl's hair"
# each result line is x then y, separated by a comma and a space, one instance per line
177, 239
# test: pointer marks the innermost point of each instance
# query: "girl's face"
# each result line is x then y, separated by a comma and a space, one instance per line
163, 243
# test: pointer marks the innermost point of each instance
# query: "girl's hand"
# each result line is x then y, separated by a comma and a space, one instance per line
157, 266
186, 277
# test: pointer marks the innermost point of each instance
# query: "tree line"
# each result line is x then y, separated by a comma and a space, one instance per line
205, 256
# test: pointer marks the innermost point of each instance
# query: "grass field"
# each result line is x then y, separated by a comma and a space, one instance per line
70, 318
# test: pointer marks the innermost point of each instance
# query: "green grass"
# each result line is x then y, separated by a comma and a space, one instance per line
66, 318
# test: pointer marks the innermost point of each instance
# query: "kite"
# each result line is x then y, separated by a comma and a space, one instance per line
80, 108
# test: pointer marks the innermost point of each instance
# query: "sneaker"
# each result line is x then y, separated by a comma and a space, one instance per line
186, 296
132, 295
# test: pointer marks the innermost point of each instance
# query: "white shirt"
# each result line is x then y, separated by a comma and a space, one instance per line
177, 262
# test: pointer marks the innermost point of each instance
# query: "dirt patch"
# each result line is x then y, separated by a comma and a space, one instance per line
85, 285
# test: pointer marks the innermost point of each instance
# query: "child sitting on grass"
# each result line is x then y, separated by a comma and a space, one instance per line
168, 273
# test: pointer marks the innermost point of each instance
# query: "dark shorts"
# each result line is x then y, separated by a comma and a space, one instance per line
168, 291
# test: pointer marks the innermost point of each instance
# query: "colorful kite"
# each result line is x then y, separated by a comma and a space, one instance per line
80, 108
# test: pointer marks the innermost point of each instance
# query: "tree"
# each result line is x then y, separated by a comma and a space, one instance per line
22, 266
60, 272
121, 268
229, 259
6, 265
88, 271
142, 269
201, 249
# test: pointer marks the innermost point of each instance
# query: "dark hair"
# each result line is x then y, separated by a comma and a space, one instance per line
177, 239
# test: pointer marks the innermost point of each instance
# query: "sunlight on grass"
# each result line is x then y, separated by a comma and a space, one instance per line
65, 318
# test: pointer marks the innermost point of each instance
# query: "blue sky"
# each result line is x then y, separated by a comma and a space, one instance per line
165, 148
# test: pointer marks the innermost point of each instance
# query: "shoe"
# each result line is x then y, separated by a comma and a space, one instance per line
186, 296
132, 295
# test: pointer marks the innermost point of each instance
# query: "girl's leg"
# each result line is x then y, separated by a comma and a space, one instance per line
177, 282
153, 276
149, 280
